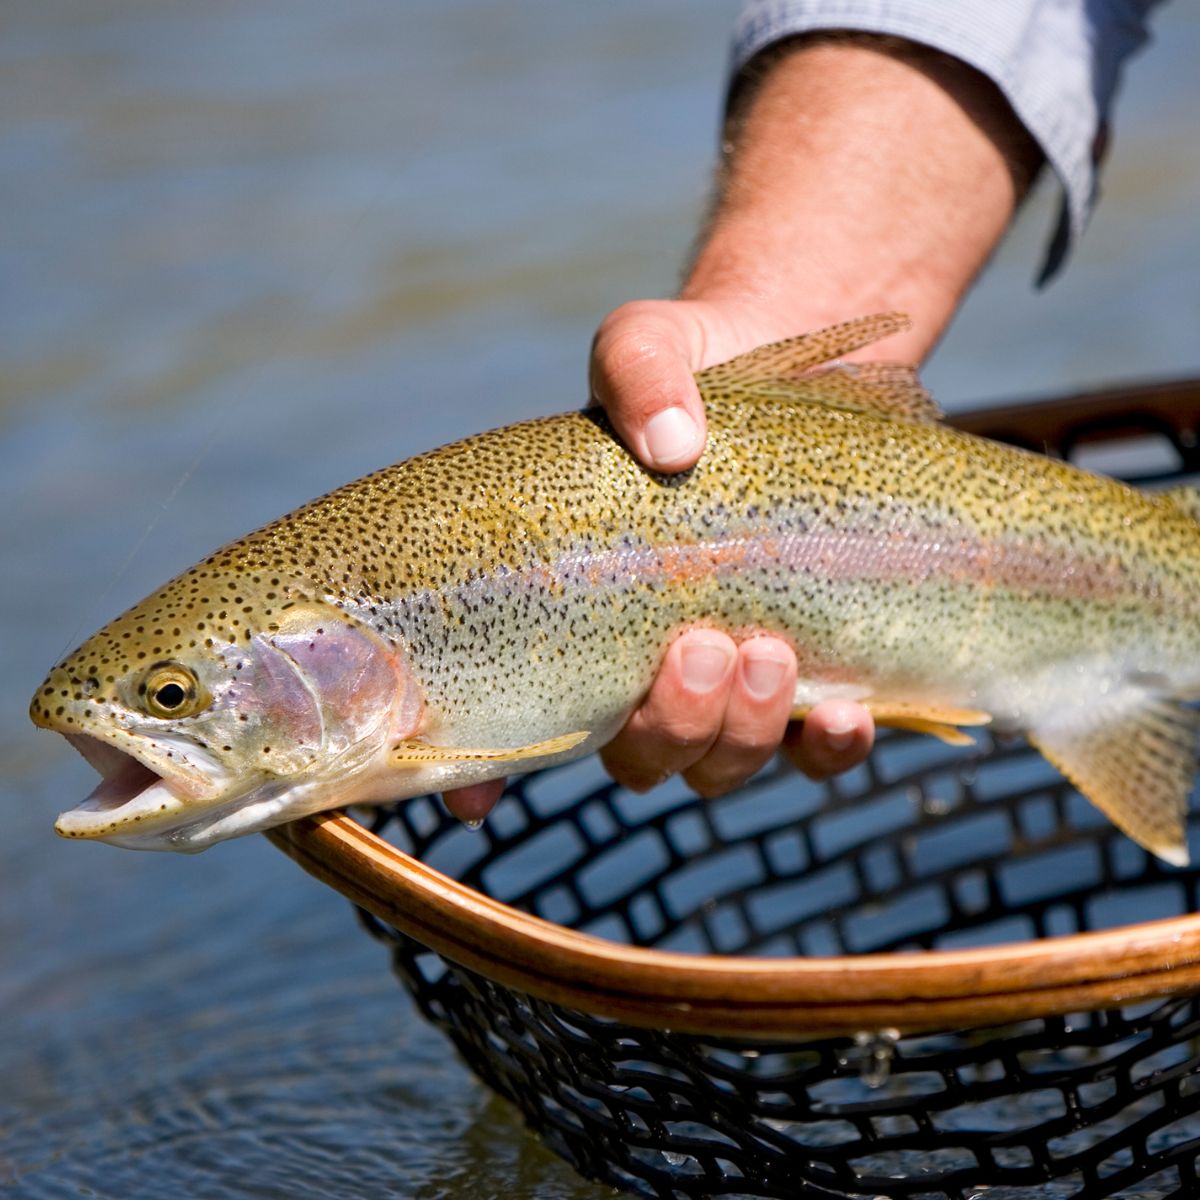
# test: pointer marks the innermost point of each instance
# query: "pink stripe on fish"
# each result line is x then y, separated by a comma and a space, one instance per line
1034, 568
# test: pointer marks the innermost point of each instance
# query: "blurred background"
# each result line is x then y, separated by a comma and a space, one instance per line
253, 250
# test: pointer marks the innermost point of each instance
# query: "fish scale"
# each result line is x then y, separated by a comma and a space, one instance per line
507, 600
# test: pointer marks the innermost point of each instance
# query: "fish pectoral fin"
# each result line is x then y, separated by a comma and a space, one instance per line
805, 369
938, 720
1138, 771
413, 753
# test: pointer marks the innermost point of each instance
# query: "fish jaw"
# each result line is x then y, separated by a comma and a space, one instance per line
186, 830
136, 808
142, 790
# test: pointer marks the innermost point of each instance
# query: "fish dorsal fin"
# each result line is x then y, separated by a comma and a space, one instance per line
889, 388
789, 358
805, 368
1138, 770
1186, 499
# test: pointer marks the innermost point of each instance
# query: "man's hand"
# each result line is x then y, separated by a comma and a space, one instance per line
862, 175
865, 175
717, 711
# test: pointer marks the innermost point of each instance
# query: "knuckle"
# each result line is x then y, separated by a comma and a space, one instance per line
638, 783
632, 776
814, 766
727, 769
628, 352
630, 317
811, 770
749, 743
634, 351
712, 785
683, 737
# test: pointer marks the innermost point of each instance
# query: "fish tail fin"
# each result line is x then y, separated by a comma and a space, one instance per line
805, 368
1138, 770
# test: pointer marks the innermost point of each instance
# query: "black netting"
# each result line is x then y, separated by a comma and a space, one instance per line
924, 846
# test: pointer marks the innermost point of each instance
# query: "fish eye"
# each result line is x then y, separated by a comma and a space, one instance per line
172, 690
170, 695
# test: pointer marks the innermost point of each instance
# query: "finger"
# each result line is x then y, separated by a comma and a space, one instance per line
756, 717
681, 715
643, 358
834, 737
474, 802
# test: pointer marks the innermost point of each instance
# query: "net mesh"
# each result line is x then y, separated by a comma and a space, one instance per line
924, 846
921, 847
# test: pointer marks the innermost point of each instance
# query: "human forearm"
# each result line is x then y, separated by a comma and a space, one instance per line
861, 174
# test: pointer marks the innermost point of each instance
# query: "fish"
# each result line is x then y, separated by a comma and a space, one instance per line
503, 603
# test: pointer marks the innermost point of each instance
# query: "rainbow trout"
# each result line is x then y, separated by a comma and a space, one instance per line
504, 602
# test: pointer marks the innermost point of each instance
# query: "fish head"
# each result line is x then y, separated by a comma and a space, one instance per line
208, 726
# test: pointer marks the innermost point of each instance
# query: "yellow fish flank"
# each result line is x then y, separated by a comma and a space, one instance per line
504, 602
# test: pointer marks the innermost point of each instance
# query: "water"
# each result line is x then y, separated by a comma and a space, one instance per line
249, 252
876, 1048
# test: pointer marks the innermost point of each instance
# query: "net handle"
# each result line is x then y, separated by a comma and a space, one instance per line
1059, 424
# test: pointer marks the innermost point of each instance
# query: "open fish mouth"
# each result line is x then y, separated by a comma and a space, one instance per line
139, 808
130, 796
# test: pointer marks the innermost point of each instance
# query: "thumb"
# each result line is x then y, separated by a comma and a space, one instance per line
643, 358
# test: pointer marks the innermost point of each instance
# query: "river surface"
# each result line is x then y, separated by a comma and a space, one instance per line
250, 251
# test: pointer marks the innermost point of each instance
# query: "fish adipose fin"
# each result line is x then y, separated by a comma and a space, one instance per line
939, 721
803, 369
414, 753
1138, 772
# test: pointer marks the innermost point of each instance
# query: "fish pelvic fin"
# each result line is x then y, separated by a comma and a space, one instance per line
1138, 771
414, 753
804, 369
1185, 499
938, 720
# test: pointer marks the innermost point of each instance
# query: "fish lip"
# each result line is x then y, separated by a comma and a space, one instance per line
135, 791
271, 804
137, 808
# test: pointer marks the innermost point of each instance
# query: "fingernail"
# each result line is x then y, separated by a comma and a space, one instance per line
671, 437
704, 666
839, 737
763, 675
